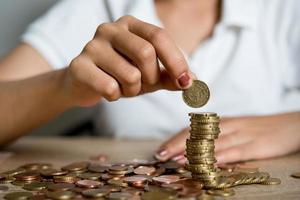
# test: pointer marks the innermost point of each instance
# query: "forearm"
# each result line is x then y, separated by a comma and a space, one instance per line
26, 104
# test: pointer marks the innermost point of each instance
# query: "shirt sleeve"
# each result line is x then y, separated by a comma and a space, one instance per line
61, 33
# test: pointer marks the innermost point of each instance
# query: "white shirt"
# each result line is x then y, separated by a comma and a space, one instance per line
251, 63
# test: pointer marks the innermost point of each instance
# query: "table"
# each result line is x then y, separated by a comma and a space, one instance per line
61, 151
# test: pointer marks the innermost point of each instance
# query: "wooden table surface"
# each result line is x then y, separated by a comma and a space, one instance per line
61, 151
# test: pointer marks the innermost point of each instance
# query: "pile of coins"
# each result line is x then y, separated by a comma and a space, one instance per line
204, 129
136, 179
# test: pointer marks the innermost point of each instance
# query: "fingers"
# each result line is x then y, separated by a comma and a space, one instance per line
230, 140
236, 153
141, 52
85, 72
228, 125
126, 74
173, 147
169, 54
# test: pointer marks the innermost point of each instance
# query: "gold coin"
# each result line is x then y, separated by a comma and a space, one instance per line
197, 95
95, 193
296, 175
272, 181
200, 115
35, 186
18, 196
61, 195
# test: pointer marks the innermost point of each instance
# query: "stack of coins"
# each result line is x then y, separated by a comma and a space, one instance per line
204, 129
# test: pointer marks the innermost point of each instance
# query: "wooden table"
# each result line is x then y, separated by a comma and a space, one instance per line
61, 151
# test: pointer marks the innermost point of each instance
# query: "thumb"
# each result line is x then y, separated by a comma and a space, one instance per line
172, 147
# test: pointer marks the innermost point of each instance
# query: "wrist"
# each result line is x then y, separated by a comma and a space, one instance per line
65, 95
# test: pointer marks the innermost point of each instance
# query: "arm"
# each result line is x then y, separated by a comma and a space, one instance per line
30, 92
120, 61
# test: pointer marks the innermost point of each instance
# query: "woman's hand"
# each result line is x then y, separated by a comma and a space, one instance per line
122, 61
246, 138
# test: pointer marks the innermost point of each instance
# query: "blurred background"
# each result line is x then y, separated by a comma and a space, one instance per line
15, 15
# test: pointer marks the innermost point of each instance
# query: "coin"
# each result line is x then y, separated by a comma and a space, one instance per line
166, 179
135, 179
52, 172
36, 166
90, 176
94, 193
35, 186
61, 195
78, 166
89, 183
296, 175
3, 188
271, 181
197, 95
144, 170
27, 176
18, 195
60, 186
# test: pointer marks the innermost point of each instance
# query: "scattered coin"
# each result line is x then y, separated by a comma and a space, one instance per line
3, 188
88, 183
271, 181
144, 170
35, 186
61, 186
18, 195
197, 95
61, 195
95, 193
296, 175
166, 179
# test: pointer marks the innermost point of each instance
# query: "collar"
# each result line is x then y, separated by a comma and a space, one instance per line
141, 9
240, 13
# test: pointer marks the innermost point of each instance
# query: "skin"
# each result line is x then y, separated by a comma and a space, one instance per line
122, 61
245, 138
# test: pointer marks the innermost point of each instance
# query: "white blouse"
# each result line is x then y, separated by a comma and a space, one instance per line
251, 63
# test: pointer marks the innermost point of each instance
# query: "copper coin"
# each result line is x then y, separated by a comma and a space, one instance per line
61, 186
106, 177
144, 170
118, 168
53, 172
135, 179
36, 166
28, 176
166, 179
78, 166
3, 188
88, 183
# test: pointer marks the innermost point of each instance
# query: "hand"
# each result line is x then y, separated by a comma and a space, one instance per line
122, 61
246, 138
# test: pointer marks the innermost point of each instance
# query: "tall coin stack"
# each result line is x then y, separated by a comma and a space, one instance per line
204, 129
